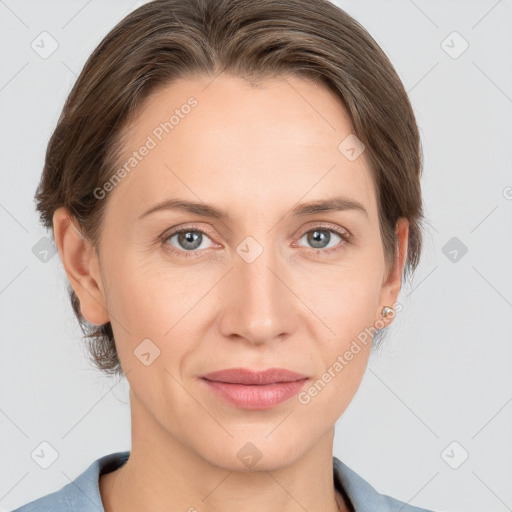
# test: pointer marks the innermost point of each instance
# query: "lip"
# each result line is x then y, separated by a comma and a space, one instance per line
248, 377
254, 389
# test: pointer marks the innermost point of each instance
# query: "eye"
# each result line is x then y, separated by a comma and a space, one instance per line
188, 241
320, 236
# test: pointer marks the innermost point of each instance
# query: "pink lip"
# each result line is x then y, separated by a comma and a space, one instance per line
250, 389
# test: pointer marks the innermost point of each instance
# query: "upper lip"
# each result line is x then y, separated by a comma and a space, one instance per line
252, 377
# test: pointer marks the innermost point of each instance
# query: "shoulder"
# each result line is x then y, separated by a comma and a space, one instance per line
82, 494
362, 496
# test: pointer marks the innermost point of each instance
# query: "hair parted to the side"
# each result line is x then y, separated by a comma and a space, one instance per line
165, 40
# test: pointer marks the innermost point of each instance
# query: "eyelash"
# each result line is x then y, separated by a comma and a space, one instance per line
345, 237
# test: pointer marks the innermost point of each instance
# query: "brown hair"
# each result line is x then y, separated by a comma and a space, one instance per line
169, 39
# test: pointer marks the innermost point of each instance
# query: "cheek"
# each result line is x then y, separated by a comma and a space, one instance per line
150, 298
345, 297
346, 353
135, 305
346, 306
348, 309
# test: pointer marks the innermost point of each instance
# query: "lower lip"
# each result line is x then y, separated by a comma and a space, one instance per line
263, 396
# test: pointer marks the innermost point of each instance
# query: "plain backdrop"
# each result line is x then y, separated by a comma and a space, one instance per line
431, 423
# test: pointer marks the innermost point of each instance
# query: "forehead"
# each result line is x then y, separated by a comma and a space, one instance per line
235, 145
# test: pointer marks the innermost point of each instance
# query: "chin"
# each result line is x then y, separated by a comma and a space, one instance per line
254, 453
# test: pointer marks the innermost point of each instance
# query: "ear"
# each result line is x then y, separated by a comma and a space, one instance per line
80, 261
392, 283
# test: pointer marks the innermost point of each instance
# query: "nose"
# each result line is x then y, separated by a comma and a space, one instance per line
258, 304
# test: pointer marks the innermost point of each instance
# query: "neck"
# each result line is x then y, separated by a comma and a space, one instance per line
161, 474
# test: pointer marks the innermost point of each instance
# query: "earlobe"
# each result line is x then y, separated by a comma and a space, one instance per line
80, 263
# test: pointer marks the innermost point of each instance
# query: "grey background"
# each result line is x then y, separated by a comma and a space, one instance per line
445, 373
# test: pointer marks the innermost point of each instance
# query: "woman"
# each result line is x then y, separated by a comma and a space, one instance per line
234, 190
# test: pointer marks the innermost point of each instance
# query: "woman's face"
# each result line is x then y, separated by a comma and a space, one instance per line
267, 284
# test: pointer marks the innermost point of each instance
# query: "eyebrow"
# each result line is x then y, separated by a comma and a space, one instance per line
338, 203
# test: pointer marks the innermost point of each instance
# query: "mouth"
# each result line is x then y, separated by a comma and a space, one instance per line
254, 389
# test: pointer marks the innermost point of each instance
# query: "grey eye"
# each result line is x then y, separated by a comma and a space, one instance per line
320, 238
189, 239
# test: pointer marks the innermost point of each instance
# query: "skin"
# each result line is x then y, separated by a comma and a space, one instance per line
254, 152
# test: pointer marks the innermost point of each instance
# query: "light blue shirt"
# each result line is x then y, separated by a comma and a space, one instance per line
83, 494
